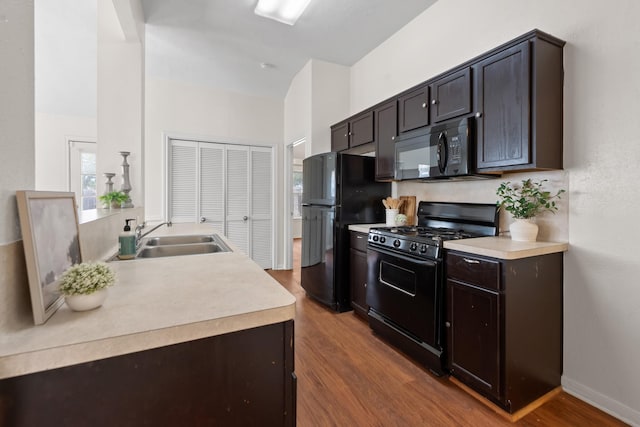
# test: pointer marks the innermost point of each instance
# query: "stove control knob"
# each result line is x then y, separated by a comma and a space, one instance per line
396, 243
413, 246
382, 239
423, 248
375, 238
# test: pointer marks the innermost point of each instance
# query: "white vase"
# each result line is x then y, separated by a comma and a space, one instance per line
391, 217
523, 230
86, 302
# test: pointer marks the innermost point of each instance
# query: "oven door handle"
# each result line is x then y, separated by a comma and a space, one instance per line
404, 257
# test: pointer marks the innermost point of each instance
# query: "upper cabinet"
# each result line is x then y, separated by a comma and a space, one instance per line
451, 96
386, 130
518, 94
513, 93
352, 133
413, 108
340, 136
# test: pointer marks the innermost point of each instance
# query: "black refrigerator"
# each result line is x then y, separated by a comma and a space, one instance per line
338, 190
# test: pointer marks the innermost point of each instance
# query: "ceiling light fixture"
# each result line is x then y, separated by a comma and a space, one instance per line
285, 11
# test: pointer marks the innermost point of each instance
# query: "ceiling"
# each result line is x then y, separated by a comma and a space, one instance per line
222, 43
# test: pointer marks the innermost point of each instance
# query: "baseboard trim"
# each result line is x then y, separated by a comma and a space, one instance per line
516, 415
604, 403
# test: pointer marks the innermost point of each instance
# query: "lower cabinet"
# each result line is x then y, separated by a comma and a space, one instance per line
240, 378
358, 272
504, 326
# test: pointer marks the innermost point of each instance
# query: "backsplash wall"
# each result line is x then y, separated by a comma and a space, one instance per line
553, 227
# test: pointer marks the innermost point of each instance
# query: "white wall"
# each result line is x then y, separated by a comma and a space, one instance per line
52, 150
65, 43
297, 109
329, 102
16, 115
601, 149
120, 97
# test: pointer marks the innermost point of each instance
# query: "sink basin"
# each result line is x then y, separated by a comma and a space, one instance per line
167, 246
178, 250
179, 240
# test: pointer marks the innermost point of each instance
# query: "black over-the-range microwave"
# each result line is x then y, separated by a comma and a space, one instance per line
444, 151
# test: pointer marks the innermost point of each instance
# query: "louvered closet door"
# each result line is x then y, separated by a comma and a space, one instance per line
237, 178
212, 185
183, 181
261, 206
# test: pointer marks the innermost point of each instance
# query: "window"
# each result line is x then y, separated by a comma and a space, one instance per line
82, 173
297, 192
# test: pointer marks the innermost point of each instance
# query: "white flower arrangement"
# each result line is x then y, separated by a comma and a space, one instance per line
86, 278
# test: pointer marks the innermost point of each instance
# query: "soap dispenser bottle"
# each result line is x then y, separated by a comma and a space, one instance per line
127, 242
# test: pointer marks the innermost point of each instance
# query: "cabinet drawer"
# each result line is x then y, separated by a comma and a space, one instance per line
473, 270
359, 241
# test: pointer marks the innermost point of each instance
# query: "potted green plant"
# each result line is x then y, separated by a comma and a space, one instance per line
524, 201
113, 199
84, 285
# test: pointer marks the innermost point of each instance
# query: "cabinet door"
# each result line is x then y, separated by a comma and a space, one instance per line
473, 337
340, 137
261, 207
212, 185
451, 96
413, 109
237, 215
361, 129
358, 279
386, 125
503, 100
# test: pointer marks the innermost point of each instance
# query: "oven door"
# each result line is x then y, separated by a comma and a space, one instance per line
407, 292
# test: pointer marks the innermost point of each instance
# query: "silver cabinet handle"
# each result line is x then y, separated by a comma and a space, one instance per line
471, 261
424, 105
203, 219
447, 324
244, 218
393, 138
359, 237
434, 102
478, 115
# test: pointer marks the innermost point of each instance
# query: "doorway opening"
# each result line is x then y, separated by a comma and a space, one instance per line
294, 155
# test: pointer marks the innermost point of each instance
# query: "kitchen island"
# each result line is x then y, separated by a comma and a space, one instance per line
200, 338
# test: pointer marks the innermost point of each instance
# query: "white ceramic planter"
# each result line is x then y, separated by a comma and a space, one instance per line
391, 217
523, 230
86, 302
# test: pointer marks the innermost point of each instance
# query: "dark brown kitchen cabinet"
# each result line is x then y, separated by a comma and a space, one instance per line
451, 96
413, 109
340, 136
239, 378
354, 132
358, 272
518, 96
386, 130
361, 129
504, 326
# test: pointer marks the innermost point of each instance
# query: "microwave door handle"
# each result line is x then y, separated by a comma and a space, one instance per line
443, 155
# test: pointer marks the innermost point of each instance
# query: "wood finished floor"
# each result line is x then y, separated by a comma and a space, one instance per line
349, 377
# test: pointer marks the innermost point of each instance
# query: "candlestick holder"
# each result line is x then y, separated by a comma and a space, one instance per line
126, 185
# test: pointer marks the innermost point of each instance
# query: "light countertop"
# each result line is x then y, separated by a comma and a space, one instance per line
504, 247
364, 228
154, 303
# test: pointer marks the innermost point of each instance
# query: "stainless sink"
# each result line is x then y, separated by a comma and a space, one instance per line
166, 246
179, 240
178, 250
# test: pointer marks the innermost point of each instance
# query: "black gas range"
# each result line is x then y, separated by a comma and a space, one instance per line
405, 281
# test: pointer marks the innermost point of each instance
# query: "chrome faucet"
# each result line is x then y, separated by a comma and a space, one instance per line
140, 235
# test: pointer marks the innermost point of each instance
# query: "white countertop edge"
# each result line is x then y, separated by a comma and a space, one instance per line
505, 248
364, 228
67, 355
